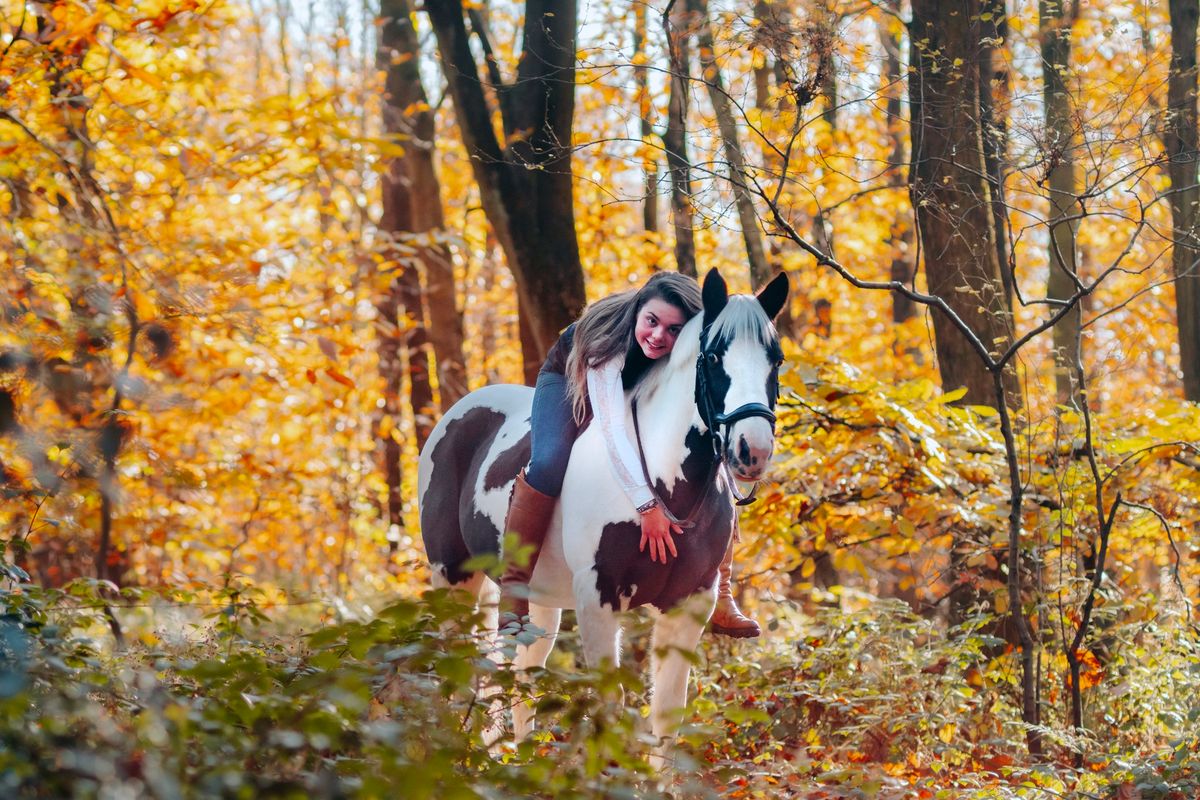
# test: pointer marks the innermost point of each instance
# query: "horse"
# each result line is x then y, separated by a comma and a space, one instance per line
703, 416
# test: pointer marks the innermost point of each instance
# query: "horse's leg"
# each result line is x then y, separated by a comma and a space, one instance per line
485, 594
676, 636
489, 604
534, 655
598, 625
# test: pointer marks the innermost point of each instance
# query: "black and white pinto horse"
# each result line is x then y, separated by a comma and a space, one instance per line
703, 414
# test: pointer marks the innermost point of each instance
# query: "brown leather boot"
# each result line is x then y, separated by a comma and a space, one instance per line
727, 619
528, 519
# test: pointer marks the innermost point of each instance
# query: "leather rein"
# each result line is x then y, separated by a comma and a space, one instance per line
718, 425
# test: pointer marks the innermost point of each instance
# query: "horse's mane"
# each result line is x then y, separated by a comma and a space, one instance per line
742, 316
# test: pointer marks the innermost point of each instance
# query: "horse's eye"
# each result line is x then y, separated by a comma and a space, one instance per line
714, 359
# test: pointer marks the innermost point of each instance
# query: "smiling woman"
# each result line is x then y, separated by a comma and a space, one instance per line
658, 325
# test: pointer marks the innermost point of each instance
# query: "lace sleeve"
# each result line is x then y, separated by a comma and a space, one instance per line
608, 404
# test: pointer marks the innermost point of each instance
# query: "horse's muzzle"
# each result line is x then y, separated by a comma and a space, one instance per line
749, 447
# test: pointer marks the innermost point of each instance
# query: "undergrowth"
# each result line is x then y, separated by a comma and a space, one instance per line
873, 704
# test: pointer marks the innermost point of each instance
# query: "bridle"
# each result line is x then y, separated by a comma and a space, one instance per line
718, 425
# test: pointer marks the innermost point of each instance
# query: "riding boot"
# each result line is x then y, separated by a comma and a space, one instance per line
528, 519
727, 618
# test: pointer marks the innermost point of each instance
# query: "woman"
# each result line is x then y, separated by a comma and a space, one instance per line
587, 371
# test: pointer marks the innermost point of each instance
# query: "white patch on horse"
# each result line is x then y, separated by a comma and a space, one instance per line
493, 503
595, 501
744, 362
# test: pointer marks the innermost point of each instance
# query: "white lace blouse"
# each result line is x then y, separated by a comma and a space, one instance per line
607, 396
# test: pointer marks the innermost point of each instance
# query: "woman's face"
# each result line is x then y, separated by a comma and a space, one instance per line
658, 324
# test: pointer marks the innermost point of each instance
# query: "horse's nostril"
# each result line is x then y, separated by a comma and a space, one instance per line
744, 454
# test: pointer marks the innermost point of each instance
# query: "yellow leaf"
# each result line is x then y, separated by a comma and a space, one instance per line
947, 731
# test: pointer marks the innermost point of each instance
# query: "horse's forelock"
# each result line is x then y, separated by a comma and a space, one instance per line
743, 316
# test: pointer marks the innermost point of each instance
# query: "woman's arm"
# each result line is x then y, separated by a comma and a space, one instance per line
608, 406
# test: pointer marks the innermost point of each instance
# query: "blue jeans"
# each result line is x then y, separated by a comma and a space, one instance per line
552, 434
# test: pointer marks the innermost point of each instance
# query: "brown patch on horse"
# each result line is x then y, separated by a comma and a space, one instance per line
506, 466
624, 571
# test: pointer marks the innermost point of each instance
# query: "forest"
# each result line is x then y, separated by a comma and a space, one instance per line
254, 250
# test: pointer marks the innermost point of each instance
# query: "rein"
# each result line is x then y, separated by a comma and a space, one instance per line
715, 422
687, 521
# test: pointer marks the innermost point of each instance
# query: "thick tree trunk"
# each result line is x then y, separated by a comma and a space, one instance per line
675, 139
391, 369
1183, 149
760, 270
951, 193
766, 17
1063, 192
525, 184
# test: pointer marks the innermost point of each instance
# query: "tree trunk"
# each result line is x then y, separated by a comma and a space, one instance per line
391, 369
1063, 192
404, 214
642, 83
995, 94
760, 270
675, 140
773, 36
826, 17
525, 185
1182, 145
951, 193
765, 15
901, 237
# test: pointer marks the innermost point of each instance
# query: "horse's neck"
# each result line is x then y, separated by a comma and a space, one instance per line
666, 415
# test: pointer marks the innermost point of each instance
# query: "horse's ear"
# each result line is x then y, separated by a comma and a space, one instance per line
715, 295
774, 295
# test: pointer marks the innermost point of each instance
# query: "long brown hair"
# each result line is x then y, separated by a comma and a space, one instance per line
606, 328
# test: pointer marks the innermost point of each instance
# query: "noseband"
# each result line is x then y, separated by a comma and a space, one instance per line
719, 426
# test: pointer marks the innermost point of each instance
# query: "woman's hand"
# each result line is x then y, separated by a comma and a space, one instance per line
657, 530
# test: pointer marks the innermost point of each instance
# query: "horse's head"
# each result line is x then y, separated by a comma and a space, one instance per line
737, 372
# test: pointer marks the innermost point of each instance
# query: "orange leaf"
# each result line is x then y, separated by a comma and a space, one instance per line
1090, 671
339, 377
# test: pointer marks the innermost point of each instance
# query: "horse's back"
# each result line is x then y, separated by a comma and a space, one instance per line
465, 475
